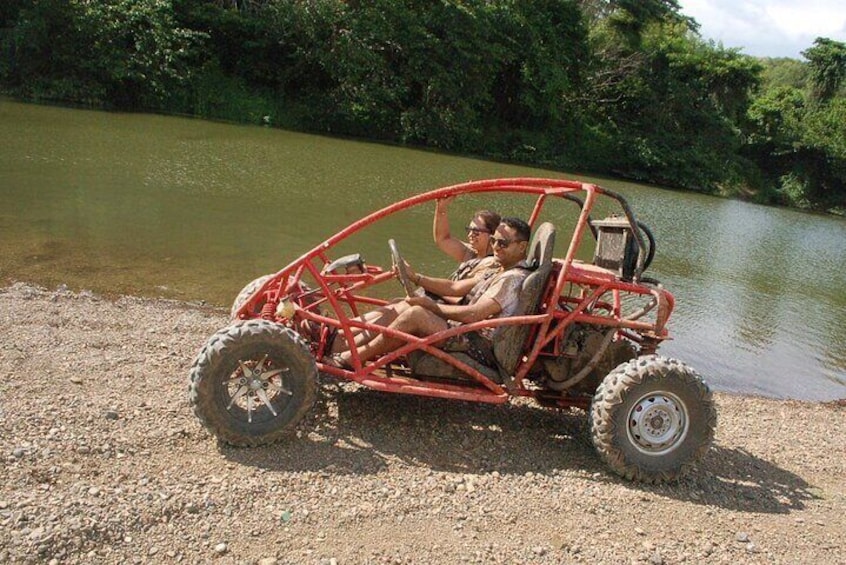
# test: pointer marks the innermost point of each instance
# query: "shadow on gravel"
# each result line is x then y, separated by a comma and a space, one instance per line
735, 479
363, 431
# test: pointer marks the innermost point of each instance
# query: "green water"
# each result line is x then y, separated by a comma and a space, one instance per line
192, 210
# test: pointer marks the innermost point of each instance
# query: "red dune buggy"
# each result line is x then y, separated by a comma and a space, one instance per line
585, 336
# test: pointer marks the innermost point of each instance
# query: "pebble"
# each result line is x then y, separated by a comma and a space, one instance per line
220, 548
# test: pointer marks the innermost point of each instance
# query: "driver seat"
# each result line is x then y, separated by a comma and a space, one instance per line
508, 340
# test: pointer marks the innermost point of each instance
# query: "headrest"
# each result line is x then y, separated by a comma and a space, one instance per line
543, 243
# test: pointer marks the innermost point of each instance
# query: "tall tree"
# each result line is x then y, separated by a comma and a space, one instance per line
827, 59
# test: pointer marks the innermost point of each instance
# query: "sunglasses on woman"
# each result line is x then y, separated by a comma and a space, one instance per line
474, 229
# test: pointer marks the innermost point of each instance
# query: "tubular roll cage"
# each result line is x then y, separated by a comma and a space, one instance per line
557, 312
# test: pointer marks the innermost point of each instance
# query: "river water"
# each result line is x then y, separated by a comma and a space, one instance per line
192, 210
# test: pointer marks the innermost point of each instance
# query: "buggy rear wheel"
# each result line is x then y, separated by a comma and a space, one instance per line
252, 383
652, 419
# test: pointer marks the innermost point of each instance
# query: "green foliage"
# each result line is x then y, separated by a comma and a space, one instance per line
672, 106
628, 19
824, 147
783, 71
800, 147
139, 52
827, 61
776, 117
543, 53
125, 53
44, 47
217, 95
625, 87
798, 130
9, 10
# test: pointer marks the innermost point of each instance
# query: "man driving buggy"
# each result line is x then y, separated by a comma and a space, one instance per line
487, 297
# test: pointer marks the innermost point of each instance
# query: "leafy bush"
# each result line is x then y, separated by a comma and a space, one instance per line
123, 53
623, 87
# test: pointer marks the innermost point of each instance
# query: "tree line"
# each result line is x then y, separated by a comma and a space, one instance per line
619, 87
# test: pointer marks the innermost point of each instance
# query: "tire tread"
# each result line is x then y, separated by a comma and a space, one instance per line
612, 394
203, 371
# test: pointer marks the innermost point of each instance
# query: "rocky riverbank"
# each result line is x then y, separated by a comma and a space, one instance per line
104, 462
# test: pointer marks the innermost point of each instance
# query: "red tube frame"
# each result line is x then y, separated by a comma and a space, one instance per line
548, 325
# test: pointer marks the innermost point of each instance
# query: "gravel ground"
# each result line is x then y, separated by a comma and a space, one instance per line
104, 462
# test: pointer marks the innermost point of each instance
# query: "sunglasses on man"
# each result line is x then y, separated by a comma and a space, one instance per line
501, 242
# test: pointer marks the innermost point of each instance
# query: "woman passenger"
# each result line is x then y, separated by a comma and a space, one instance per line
474, 255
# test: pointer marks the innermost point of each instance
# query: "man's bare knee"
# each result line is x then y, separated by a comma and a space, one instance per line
417, 320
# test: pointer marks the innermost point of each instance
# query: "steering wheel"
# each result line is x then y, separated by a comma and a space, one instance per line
402, 272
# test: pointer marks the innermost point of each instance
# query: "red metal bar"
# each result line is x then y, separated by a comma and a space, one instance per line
338, 291
578, 232
540, 187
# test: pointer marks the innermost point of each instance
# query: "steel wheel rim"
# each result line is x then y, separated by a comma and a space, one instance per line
657, 423
256, 385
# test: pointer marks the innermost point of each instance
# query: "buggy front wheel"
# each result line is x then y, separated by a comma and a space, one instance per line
249, 289
652, 419
253, 382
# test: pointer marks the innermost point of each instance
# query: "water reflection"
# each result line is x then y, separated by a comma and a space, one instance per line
192, 210
833, 356
760, 299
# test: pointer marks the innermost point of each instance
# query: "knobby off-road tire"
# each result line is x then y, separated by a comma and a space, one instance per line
652, 419
245, 293
252, 383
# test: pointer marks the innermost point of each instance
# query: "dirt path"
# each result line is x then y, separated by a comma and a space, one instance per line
103, 462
